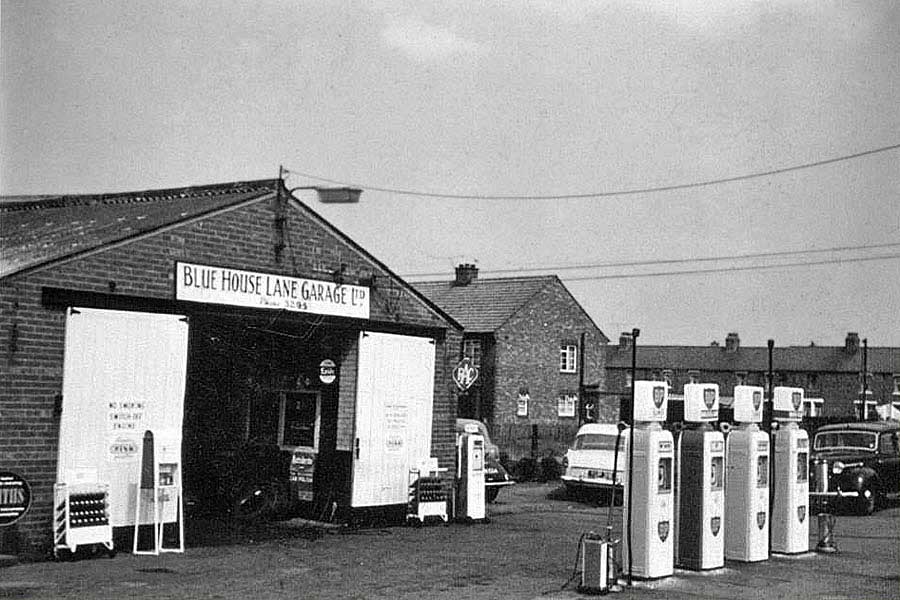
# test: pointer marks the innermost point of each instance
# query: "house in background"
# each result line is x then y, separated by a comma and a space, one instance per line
540, 358
831, 376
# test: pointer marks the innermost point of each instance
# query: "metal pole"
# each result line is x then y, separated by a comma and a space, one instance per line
581, 381
771, 393
634, 336
865, 377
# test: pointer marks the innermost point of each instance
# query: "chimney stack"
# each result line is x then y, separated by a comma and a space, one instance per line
732, 342
465, 274
851, 343
625, 341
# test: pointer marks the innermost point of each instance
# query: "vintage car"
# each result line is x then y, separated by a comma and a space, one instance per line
855, 465
495, 476
590, 460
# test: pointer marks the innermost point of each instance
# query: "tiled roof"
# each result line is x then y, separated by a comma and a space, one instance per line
36, 230
484, 305
833, 359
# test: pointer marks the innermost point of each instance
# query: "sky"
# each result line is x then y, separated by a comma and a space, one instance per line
529, 98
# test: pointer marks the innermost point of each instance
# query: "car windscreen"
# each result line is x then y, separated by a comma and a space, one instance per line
862, 440
597, 441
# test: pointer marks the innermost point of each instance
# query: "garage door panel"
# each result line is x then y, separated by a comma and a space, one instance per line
124, 373
393, 415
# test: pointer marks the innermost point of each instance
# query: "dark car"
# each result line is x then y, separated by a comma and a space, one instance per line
855, 465
495, 476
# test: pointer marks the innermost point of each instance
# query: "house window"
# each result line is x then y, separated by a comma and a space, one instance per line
811, 380
812, 407
628, 379
668, 376
522, 404
896, 391
863, 408
567, 353
565, 405
694, 376
740, 378
472, 351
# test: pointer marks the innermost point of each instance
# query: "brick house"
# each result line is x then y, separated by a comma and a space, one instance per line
831, 376
540, 357
285, 334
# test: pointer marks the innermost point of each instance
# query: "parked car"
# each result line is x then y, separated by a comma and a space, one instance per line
495, 476
590, 460
856, 464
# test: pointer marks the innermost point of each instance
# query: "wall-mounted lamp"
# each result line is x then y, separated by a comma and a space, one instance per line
335, 195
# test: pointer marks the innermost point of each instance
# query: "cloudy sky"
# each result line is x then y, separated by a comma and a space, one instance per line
540, 98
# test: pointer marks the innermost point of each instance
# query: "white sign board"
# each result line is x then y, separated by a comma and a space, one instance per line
223, 285
123, 374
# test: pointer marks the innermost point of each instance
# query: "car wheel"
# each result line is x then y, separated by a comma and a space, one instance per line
490, 494
867, 501
253, 502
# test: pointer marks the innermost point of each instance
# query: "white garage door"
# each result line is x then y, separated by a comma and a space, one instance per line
394, 399
123, 374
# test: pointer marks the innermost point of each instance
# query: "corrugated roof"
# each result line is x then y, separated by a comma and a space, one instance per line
37, 230
832, 359
484, 305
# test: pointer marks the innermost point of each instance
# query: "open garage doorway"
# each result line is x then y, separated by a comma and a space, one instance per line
261, 392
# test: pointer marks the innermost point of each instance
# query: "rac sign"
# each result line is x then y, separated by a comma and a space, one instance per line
465, 374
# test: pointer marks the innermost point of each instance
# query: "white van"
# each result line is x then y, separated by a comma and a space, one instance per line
589, 461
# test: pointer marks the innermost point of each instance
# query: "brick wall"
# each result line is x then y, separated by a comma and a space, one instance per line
528, 354
32, 335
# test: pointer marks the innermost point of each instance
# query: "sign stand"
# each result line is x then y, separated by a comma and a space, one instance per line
159, 484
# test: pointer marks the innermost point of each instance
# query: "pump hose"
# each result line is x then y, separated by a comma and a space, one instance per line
612, 497
575, 566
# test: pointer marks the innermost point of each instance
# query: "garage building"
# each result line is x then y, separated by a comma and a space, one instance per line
234, 324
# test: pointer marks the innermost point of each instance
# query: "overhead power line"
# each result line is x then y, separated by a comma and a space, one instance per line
672, 261
734, 269
600, 194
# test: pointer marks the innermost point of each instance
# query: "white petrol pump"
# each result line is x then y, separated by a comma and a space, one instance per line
700, 482
648, 504
470, 475
790, 518
747, 480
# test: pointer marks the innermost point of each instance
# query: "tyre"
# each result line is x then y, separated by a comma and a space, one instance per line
490, 494
253, 502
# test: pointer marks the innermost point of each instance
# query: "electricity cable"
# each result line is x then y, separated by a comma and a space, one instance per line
643, 263
734, 269
600, 194
716, 270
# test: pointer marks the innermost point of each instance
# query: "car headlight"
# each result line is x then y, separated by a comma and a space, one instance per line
839, 466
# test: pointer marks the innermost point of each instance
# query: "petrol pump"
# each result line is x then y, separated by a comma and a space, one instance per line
648, 503
700, 477
747, 480
470, 475
790, 518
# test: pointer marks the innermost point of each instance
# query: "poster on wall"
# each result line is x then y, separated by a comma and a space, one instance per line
123, 375
302, 471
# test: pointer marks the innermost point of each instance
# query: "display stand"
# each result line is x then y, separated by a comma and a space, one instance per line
159, 486
427, 494
81, 518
